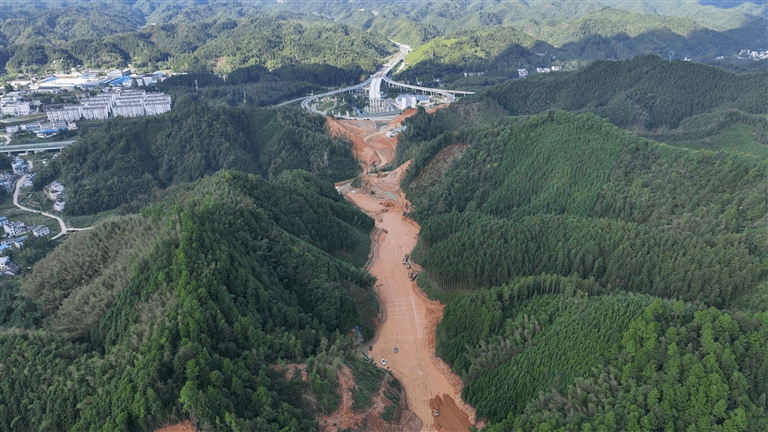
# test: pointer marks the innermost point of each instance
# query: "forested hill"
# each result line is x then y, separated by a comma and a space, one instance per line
220, 36
419, 22
187, 309
62, 39
496, 52
646, 92
129, 159
592, 278
568, 193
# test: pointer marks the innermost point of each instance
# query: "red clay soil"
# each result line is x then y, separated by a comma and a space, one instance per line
185, 426
369, 418
409, 318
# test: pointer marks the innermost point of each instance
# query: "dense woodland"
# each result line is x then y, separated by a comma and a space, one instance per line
597, 278
452, 38
609, 34
646, 92
184, 311
130, 159
258, 86
61, 39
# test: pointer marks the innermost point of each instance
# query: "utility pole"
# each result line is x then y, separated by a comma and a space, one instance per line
195, 86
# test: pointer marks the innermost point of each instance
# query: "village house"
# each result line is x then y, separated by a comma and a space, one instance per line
14, 228
6, 181
55, 190
7, 267
41, 231
19, 166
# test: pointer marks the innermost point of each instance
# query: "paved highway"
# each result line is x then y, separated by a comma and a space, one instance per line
374, 83
33, 147
404, 50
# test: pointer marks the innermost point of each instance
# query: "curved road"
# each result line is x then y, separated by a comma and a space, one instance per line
375, 82
62, 225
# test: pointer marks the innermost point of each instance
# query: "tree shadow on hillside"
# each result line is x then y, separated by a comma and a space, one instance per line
703, 45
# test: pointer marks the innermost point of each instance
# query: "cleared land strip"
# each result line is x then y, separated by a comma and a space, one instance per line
409, 317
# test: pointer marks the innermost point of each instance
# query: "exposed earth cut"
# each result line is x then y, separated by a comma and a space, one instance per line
409, 317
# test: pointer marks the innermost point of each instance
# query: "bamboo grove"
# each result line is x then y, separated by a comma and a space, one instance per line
596, 280
187, 310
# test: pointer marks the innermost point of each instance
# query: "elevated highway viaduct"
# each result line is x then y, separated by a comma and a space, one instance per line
35, 147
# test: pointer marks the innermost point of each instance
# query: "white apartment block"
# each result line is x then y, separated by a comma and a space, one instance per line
99, 112
68, 113
125, 103
153, 108
16, 109
133, 110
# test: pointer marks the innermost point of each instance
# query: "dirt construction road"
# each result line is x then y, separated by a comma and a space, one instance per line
409, 317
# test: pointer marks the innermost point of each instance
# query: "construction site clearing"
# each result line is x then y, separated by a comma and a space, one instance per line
408, 319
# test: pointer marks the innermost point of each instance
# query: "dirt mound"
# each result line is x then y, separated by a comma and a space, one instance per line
370, 418
185, 426
371, 145
291, 369
448, 416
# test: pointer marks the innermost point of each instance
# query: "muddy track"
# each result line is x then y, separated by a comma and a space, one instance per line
409, 318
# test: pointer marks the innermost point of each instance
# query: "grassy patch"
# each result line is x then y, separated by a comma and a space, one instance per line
36, 200
577, 340
393, 394
428, 50
737, 137
88, 220
755, 299
23, 119
431, 288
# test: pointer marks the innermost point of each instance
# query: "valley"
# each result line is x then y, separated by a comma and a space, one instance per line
407, 323
547, 216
